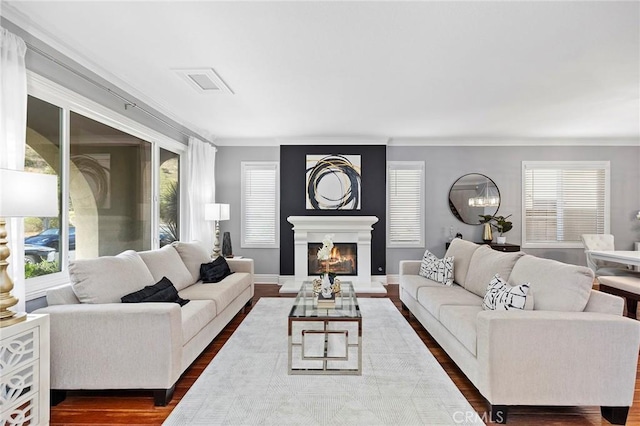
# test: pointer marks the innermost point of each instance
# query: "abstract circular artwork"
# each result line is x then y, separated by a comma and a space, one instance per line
333, 182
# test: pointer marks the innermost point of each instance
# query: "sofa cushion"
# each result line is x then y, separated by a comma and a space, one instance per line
411, 284
216, 271
434, 297
193, 255
106, 279
195, 316
556, 286
485, 263
501, 296
62, 295
166, 262
438, 270
461, 251
222, 293
162, 291
461, 322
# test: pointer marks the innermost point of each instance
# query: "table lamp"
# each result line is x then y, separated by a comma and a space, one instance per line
217, 212
22, 194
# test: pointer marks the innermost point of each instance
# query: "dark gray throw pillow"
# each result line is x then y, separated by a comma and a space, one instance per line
162, 291
215, 271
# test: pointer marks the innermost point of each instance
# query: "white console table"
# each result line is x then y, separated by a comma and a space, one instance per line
24, 372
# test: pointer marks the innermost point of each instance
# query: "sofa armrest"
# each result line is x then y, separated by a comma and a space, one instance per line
115, 345
241, 265
605, 303
410, 267
557, 358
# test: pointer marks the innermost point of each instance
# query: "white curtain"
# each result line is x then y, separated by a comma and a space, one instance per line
201, 189
13, 125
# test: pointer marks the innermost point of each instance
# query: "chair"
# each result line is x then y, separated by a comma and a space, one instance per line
602, 268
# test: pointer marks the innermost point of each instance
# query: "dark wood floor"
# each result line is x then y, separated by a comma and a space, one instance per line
136, 407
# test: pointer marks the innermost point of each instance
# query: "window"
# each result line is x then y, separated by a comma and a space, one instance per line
107, 183
42, 155
110, 189
563, 200
405, 203
169, 197
260, 201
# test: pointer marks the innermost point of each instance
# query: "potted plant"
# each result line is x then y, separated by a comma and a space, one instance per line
503, 226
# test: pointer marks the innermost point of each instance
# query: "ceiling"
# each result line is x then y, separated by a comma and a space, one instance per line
402, 70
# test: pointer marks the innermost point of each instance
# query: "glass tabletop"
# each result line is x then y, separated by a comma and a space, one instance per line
306, 303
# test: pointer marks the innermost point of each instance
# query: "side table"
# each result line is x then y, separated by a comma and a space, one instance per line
506, 247
24, 372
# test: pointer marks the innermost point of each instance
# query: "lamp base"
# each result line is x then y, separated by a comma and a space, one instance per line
216, 244
17, 318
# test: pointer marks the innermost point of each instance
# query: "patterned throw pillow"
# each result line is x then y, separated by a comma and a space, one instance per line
502, 296
439, 270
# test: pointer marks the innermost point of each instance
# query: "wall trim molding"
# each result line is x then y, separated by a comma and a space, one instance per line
433, 141
333, 140
515, 141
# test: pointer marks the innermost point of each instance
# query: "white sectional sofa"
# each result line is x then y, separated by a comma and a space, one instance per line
570, 346
97, 342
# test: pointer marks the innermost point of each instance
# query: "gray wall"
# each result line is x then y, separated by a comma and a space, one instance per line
228, 190
443, 166
503, 164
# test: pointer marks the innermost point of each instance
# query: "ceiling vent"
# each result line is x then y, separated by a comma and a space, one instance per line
204, 80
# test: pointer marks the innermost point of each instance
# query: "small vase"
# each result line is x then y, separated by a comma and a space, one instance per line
501, 240
487, 235
326, 286
226, 245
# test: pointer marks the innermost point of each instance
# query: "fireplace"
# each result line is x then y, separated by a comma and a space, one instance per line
343, 260
346, 230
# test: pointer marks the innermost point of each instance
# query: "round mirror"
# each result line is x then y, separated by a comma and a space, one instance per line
473, 195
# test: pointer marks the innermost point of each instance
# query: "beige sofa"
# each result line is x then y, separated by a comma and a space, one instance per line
97, 342
571, 347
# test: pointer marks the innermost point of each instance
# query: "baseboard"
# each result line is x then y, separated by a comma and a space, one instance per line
266, 279
383, 279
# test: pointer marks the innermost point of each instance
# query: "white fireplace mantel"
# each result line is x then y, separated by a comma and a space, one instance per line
344, 229
332, 223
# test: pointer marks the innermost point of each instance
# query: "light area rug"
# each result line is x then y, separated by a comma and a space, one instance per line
247, 381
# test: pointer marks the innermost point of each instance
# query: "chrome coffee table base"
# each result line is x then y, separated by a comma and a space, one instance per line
325, 340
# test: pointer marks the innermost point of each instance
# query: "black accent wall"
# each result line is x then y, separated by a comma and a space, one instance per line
373, 202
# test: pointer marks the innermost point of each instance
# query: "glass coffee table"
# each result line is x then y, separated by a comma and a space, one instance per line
325, 340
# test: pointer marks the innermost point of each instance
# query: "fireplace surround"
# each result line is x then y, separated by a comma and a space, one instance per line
344, 229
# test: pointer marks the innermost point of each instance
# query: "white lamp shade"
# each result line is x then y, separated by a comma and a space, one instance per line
216, 211
24, 194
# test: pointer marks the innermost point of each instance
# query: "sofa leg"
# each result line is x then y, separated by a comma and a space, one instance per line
499, 413
615, 415
161, 397
247, 305
57, 396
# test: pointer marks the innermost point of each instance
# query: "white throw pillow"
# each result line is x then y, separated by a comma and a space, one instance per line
501, 296
438, 270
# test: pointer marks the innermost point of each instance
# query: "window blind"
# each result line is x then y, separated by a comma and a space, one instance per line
563, 200
260, 204
405, 201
